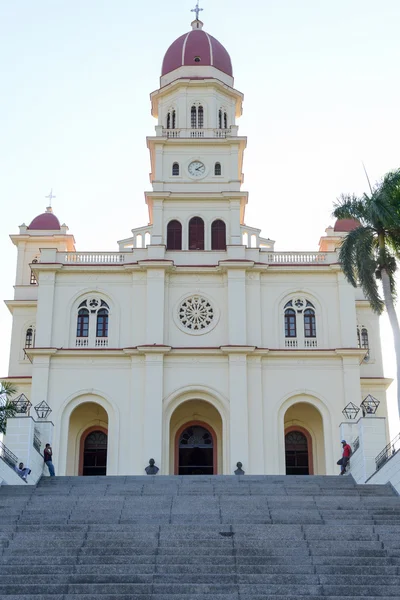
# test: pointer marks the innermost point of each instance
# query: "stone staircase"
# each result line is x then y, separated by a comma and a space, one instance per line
199, 538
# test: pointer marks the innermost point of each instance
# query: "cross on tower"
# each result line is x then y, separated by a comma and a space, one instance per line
50, 196
197, 10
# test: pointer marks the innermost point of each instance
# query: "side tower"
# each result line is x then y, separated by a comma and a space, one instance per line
196, 154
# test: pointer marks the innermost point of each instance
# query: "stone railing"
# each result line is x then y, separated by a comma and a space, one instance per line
301, 257
98, 258
274, 258
197, 133
294, 343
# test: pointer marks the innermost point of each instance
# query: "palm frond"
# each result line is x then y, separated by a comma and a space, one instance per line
349, 207
358, 255
7, 389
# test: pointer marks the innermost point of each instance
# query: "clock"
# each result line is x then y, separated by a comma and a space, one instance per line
196, 168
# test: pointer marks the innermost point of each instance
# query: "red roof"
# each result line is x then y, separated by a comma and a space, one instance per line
45, 222
197, 44
345, 225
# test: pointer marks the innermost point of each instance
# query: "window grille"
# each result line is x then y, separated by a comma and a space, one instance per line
217, 169
175, 169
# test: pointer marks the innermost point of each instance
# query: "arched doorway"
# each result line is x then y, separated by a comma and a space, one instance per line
196, 450
297, 453
93, 452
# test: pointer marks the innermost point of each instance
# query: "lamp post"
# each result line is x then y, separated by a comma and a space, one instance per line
350, 411
42, 410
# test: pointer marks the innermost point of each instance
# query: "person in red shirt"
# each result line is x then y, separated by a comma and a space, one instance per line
343, 462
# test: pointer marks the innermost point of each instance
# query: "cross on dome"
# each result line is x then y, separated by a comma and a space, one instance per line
197, 10
50, 197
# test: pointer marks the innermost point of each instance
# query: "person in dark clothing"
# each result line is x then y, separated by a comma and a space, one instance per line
344, 461
48, 459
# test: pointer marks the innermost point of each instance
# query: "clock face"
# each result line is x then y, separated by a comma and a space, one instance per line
196, 168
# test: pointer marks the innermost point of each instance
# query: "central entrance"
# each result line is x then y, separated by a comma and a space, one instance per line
296, 452
95, 454
195, 451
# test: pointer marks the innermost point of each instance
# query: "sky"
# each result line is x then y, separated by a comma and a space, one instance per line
322, 94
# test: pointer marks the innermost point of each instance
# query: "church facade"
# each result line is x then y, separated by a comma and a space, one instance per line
195, 343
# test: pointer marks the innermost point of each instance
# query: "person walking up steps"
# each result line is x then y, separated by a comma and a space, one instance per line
48, 459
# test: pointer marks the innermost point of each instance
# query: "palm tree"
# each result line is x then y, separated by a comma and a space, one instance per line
7, 408
369, 253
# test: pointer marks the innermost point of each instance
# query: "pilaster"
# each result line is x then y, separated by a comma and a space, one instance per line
347, 313
238, 407
153, 404
256, 420
237, 322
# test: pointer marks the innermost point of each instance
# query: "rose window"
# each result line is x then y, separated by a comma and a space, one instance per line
196, 313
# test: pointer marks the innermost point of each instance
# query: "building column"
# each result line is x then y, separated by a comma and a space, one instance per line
157, 230
155, 294
234, 206
153, 404
40, 375
238, 409
347, 313
47, 268
237, 322
256, 421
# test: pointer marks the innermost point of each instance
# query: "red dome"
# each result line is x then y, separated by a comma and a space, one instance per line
45, 221
195, 45
346, 225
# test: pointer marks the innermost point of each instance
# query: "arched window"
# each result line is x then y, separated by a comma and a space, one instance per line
82, 326
220, 119
363, 341
102, 323
218, 235
217, 168
33, 280
200, 117
310, 330
168, 120
173, 119
174, 235
364, 338
225, 121
30, 337
290, 323
196, 234
175, 169
193, 117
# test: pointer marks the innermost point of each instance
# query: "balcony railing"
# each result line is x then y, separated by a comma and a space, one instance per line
295, 343
389, 451
197, 133
266, 256
301, 257
8, 456
85, 342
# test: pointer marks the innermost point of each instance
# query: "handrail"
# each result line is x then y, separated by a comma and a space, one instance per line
7, 456
36, 442
389, 451
356, 444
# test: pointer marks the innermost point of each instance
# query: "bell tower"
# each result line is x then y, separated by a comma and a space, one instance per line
196, 154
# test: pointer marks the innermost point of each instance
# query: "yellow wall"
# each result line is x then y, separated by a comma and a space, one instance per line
85, 415
307, 416
195, 410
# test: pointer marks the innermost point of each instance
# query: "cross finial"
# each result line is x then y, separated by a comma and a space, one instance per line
50, 196
197, 10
